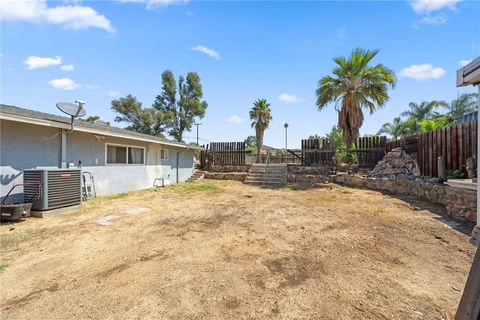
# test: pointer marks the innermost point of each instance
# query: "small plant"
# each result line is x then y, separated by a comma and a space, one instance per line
117, 196
455, 174
196, 187
377, 211
3, 267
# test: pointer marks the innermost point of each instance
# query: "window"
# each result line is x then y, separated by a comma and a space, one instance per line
135, 155
121, 154
116, 154
163, 154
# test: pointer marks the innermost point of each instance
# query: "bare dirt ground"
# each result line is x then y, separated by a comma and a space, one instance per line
229, 251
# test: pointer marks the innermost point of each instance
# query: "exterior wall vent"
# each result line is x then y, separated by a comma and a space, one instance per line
58, 188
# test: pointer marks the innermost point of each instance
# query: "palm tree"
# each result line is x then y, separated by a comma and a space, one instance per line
260, 114
465, 103
394, 129
355, 85
423, 110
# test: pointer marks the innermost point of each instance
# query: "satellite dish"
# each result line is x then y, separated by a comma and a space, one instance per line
73, 110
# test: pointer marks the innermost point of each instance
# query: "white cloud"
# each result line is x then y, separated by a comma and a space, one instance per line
64, 84
67, 67
422, 71
73, 17
235, 119
92, 86
463, 63
113, 93
288, 98
35, 62
426, 6
434, 21
209, 52
154, 3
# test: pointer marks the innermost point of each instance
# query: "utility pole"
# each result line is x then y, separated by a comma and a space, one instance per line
197, 124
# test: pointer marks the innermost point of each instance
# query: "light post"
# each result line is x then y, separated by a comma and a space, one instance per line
286, 141
286, 135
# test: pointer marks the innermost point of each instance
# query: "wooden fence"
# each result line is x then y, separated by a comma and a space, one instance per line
223, 153
456, 143
317, 151
274, 159
409, 144
370, 150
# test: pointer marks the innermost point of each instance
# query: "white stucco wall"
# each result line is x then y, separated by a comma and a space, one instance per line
25, 146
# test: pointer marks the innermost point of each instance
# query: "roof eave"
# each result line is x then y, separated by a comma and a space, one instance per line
469, 74
79, 128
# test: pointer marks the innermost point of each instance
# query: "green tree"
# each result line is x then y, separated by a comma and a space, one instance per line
95, 119
182, 109
250, 143
355, 85
463, 104
314, 136
143, 120
336, 137
395, 129
427, 125
423, 110
260, 114
92, 119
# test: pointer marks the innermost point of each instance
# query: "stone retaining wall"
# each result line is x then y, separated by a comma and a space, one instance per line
230, 168
459, 203
237, 176
299, 169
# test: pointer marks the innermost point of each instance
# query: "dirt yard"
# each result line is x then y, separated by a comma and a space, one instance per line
226, 250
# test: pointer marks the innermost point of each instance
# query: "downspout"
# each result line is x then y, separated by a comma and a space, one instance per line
478, 158
176, 175
63, 150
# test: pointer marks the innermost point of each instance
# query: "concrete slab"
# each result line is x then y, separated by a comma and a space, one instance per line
107, 220
46, 213
135, 211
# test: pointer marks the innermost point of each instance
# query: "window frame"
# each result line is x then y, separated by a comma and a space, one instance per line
126, 146
166, 152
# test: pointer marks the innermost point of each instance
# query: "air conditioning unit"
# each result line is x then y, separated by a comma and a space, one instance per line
52, 188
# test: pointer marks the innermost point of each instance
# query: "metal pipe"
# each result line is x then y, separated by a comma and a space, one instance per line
63, 150
177, 162
478, 159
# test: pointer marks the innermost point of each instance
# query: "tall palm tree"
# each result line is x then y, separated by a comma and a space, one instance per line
423, 110
355, 85
395, 129
260, 114
465, 103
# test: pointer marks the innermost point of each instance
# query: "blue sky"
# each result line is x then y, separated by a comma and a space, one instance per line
100, 50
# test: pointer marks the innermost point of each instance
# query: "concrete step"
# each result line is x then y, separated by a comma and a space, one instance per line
265, 183
266, 180
267, 172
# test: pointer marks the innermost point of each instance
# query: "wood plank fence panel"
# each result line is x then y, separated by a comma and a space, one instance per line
223, 153
455, 143
370, 150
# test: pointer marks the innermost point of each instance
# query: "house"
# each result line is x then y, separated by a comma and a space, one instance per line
120, 160
267, 149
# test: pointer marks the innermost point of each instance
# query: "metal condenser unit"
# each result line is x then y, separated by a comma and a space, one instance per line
58, 188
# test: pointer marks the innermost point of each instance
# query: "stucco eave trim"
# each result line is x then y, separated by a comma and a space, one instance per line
53, 124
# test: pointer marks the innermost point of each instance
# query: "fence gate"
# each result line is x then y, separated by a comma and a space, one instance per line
370, 150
